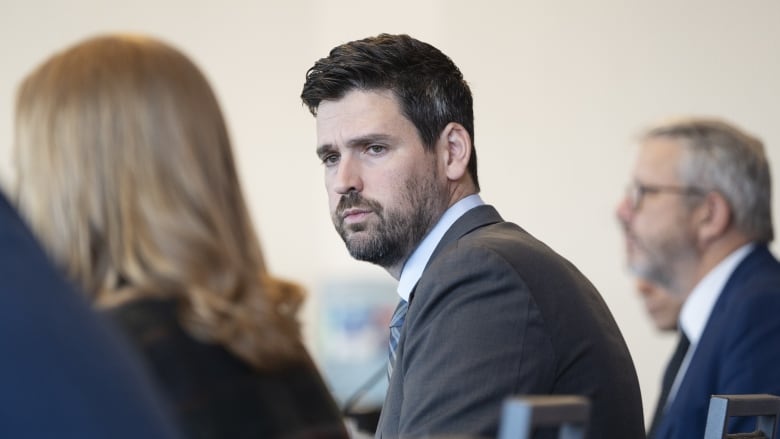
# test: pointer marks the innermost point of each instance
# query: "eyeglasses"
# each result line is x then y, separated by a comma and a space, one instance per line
636, 191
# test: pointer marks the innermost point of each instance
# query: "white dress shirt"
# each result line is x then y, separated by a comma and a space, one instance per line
698, 307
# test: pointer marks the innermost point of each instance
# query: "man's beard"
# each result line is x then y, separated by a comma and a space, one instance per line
390, 238
661, 263
654, 271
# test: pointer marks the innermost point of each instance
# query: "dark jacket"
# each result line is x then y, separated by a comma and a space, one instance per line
739, 350
65, 372
495, 314
217, 395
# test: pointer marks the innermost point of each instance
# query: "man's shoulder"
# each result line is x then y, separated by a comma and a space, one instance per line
505, 254
505, 241
749, 302
756, 279
503, 237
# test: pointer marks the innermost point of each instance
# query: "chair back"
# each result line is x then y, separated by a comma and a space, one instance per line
766, 409
522, 416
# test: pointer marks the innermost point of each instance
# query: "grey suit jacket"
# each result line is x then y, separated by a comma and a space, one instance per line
497, 313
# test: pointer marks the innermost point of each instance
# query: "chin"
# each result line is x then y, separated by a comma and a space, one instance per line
637, 266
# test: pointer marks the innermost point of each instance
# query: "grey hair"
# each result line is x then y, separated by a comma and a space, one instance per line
723, 158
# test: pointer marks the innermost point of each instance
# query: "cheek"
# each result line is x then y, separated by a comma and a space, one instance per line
333, 197
645, 230
650, 226
385, 187
333, 200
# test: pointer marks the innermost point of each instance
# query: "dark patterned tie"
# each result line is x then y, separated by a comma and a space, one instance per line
666, 386
396, 322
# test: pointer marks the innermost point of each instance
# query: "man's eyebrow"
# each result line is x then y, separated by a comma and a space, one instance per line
368, 139
322, 150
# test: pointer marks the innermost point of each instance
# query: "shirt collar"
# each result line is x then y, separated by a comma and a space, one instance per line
414, 266
697, 308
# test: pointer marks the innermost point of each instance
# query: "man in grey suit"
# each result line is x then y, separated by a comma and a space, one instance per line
487, 311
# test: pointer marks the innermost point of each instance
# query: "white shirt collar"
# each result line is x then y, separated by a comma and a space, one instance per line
697, 308
416, 263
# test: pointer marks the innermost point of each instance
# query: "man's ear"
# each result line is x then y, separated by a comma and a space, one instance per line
456, 148
714, 217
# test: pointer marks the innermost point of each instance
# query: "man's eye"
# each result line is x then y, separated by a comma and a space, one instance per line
330, 159
376, 149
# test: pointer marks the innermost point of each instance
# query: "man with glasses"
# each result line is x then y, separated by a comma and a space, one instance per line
697, 221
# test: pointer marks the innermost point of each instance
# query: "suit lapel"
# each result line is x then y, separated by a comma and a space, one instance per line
759, 256
475, 218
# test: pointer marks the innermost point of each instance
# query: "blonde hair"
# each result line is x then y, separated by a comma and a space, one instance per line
126, 174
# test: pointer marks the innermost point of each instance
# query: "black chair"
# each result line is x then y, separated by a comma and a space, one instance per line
522, 416
766, 409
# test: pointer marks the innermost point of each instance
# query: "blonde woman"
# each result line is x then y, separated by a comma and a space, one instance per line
126, 175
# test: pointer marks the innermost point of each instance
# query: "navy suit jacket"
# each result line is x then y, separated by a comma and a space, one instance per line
495, 314
64, 372
739, 351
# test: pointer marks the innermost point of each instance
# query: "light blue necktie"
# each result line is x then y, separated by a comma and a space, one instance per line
396, 322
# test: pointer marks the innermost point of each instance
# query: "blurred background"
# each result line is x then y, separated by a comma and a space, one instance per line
561, 90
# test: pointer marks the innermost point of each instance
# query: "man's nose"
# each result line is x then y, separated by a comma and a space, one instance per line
347, 178
623, 211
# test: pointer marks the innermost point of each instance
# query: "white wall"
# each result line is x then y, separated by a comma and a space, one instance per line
561, 87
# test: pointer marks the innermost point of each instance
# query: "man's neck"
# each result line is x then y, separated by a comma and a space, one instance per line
412, 269
713, 254
396, 269
460, 192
